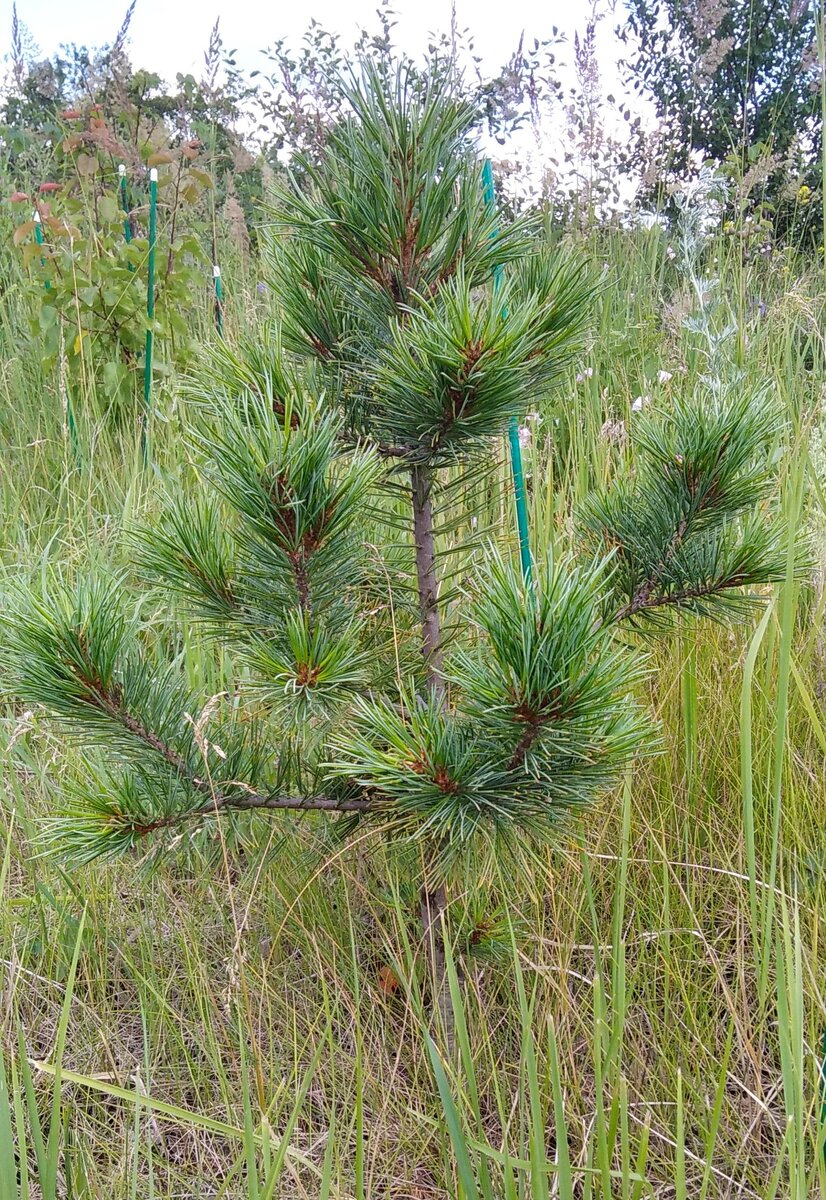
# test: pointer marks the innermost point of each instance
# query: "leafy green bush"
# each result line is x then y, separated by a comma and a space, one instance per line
87, 278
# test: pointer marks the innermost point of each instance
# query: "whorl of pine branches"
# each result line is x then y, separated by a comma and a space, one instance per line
540, 716
382, 259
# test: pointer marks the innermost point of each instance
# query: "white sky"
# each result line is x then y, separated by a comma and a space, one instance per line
171, 35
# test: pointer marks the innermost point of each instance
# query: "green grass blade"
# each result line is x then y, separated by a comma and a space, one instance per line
747, 766
8, 1147
453, 1120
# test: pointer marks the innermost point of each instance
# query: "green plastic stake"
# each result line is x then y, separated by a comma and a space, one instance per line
150, 310
823, 1089
70, 416
124, 203
219, 299
513, 429
38, 237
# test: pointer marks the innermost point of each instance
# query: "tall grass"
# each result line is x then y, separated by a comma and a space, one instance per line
653, 1025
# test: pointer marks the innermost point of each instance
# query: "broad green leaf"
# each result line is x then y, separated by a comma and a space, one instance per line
108, 208
87, 164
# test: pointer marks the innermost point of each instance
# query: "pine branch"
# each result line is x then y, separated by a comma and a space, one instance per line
532, 723
244, 801
398, 201
455, 370
294, 504
76, 653
689, 527
647, 600
643, 595
110, 701
547, 681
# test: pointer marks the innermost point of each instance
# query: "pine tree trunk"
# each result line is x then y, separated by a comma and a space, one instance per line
432, 899
432, 904
422, 481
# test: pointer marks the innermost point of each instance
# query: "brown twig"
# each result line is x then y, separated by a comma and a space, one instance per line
242, 797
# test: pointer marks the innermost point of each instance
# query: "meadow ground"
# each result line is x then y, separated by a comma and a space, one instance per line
255, 1025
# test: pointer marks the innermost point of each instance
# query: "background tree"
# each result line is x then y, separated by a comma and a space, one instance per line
463, 719
727, 75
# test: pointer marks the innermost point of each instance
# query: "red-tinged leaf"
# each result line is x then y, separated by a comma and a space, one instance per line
72, 142
388, 981
17, 197
49, 187
71, 114
23, 231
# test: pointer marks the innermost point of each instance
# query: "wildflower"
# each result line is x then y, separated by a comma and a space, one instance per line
524, 436
664, 376
729, 227
533, 416
50, 187
17, 197
670, 253
639, 403
804, 194
586, 374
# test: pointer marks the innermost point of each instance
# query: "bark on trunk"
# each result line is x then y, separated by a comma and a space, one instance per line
432, 904
432, 898
421, 480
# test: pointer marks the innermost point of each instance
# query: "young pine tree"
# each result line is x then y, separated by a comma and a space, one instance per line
392, 367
